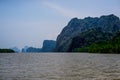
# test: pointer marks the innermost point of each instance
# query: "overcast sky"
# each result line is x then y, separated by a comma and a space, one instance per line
29, 22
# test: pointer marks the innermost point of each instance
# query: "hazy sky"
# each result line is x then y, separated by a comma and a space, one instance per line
29, 22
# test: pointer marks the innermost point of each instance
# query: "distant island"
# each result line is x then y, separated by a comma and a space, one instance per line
6, 51
48, 46
95, 35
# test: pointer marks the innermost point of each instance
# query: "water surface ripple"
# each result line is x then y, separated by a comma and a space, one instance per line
56, 66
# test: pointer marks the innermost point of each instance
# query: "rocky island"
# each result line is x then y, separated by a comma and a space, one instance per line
98, 34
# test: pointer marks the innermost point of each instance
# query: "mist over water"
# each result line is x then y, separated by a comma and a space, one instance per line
54, 66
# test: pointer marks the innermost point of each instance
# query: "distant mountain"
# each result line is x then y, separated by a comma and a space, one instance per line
32, 49
17, 50
48, 45
24, 49
108, 25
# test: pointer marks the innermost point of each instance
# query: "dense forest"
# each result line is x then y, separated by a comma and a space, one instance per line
110, 46
6, 51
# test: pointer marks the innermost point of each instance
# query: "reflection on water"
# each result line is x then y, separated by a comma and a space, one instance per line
60, 66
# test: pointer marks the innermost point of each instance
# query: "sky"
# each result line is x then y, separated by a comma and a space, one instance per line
30, 22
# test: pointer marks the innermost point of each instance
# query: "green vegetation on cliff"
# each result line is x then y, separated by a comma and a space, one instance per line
111, 46
89, 37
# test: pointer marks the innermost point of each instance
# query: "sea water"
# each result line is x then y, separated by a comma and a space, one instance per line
59, 66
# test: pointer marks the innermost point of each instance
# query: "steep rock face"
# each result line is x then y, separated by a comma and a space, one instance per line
90, 37
48, 45
110, 23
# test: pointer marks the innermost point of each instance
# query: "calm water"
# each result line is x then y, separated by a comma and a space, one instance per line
60, 66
